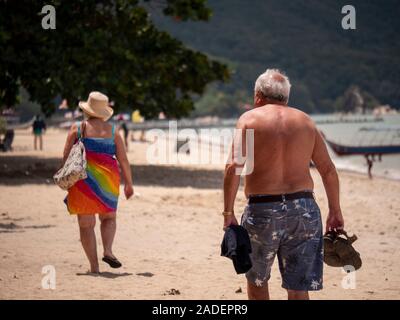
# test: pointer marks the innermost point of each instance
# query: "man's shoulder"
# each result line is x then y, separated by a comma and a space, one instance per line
298, 112
300, 115
256, 112
256, 116
246, 118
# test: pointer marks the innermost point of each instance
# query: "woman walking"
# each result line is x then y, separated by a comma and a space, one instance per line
98, 193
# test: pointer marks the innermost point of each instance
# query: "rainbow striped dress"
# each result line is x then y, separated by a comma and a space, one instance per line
98, 193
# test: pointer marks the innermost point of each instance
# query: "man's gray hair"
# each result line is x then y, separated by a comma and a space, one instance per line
273, 84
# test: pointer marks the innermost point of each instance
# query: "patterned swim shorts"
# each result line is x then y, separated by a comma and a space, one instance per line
293, 231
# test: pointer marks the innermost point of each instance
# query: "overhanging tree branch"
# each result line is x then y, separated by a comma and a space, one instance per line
106, 45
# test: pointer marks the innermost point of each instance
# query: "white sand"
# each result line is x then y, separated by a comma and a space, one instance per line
169, 236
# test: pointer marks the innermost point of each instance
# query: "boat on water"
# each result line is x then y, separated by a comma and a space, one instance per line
365, 150
369, 152
344, 150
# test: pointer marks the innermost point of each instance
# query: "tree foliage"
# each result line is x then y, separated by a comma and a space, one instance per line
355, 99
106, 45
216, 102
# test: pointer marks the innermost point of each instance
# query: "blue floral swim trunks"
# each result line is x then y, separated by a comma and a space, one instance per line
292, 230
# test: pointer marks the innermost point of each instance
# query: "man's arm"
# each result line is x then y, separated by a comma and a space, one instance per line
330, 178
233, 169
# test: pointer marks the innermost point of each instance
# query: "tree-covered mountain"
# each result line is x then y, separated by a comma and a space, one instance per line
305, 39
54, 48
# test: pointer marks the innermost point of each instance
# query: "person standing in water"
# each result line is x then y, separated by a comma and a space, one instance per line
98, 193
124, 127
38, 127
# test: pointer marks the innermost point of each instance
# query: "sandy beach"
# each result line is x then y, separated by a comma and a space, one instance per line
169, 234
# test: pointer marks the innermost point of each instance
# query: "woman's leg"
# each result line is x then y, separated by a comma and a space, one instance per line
88, 240
108, 228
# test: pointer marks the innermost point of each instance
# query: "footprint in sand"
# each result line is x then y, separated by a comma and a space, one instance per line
172, 292
44, 226
12, 227
145, 274
9, 226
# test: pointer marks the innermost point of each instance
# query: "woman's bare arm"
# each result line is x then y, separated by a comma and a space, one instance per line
71, 138
125, 166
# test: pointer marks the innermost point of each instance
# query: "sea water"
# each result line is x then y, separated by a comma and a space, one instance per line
350, 133
385, 132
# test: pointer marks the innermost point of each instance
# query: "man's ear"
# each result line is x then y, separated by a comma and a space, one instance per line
258, 99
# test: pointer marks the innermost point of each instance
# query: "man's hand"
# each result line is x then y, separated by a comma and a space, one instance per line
128, 190
230, 220
335, 221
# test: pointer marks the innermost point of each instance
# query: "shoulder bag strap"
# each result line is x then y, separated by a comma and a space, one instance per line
83, 128
78, 136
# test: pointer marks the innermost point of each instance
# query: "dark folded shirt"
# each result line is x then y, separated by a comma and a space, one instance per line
237, 247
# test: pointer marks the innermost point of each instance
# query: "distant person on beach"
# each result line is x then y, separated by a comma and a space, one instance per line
370, 162
38, 127
137, 118
98, 194
282, 216
123, 126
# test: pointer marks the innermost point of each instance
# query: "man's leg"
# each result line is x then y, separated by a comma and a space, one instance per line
257, 293
41, 142
301, 253
143, 136
261, 224
298, 295
108, 229
35, 141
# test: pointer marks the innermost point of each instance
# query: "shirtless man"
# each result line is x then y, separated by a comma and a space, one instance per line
282, 217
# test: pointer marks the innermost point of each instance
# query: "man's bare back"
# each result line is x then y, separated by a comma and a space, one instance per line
284, 140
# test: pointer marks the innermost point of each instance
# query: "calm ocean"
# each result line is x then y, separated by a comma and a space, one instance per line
386, 132
367, 133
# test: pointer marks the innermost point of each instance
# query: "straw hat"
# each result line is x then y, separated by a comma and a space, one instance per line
97, 106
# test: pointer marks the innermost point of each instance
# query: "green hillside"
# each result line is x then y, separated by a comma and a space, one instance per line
306, 40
